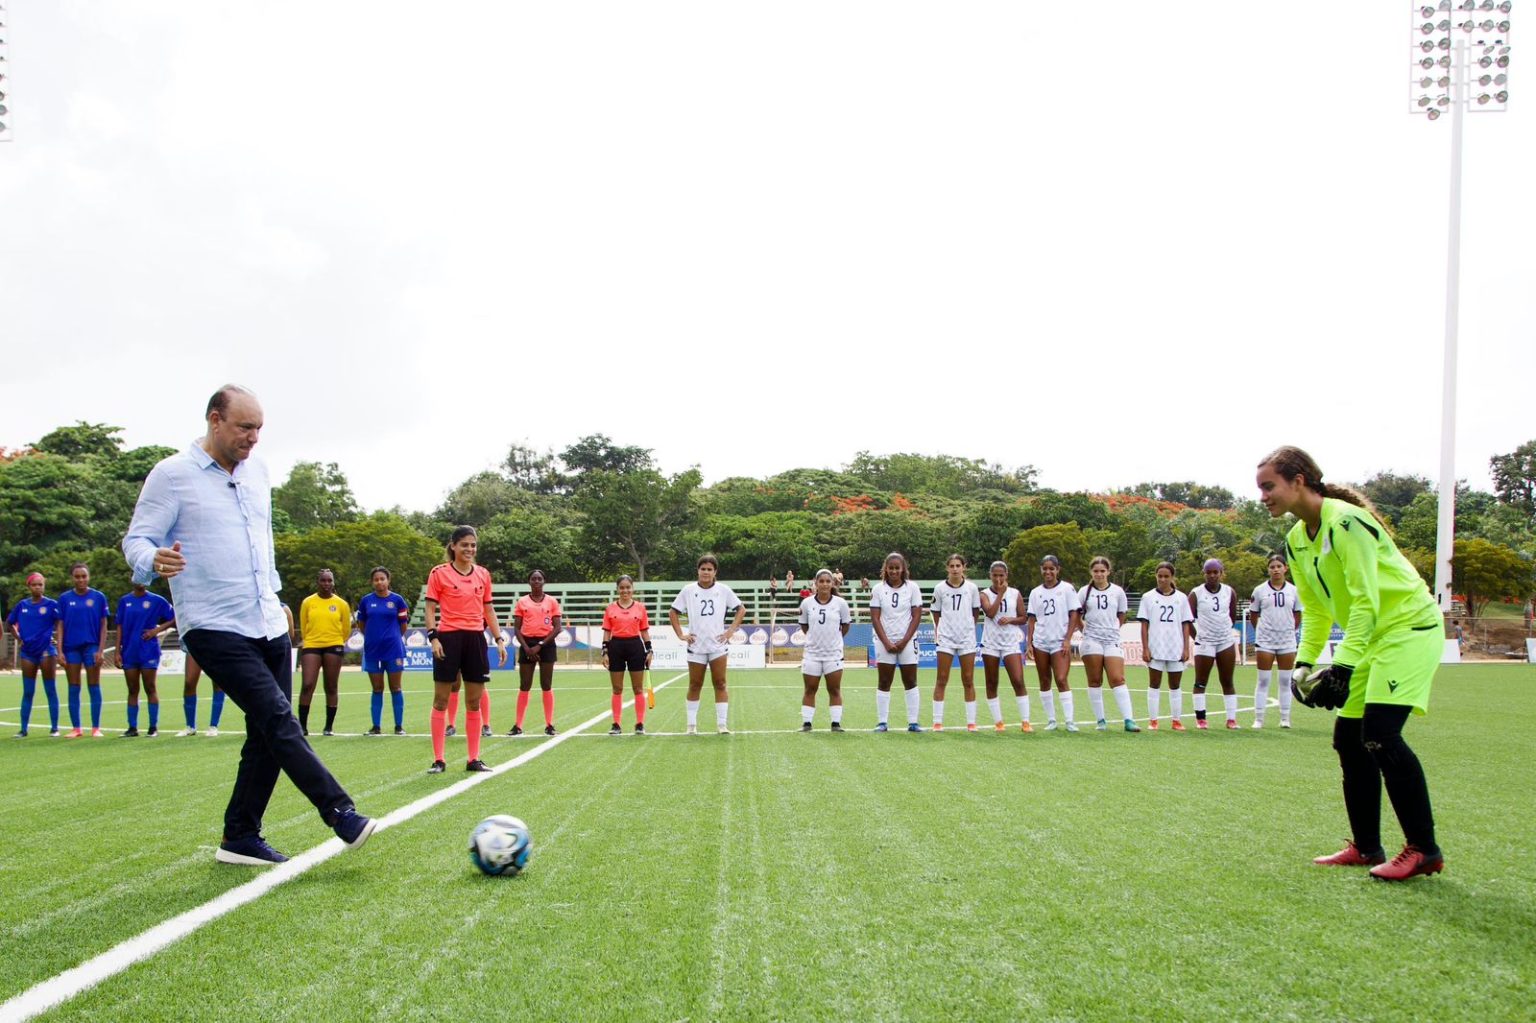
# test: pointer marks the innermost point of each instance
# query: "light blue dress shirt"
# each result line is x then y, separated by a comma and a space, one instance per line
224, 523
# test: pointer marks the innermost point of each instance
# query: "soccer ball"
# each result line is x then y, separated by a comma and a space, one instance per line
500, 845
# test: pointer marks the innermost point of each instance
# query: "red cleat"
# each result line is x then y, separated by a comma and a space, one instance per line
1200, 724
1178, 726
1351, 856
1152, 725
1411, 862
1233, 726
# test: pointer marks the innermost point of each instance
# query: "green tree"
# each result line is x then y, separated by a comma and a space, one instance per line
49, 501
1392, 493
1514, 478
1482, 571
989, 527
528, 470
598, 453
1066, 540
858, 543
109, 572
316, 494
633, 518
133, 466
1186, 492
764, 545
480, 499
83, 440
946, 475
352, 550
514, 543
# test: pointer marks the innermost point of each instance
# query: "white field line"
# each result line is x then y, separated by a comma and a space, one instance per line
58, 989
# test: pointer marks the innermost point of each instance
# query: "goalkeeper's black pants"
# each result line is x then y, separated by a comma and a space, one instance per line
1372, 752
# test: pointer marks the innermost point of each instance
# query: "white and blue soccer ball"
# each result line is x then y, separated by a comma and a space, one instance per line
500, 845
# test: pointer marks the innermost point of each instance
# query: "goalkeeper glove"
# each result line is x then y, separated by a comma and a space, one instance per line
1327, 689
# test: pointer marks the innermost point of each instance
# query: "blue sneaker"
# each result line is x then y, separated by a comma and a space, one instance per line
353, 828
252, 851
882, 727
1131, 726
914, 727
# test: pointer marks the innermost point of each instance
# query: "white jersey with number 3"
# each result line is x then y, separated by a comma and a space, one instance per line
1213, 622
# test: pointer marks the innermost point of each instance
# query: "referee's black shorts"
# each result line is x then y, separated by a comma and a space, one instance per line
626, 654
464, 653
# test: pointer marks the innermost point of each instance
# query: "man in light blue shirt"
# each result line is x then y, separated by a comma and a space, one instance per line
204, 522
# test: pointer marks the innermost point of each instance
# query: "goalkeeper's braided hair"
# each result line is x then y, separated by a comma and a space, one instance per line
1291, 462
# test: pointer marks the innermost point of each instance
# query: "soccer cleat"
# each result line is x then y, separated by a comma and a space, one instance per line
722, 730
639, 727
549, 729
1025, 726
1071, 726
999, 726
1233, 726
438, 767
692, 730
96, 733
914, 727
1258, 724
1178, 726
477, 767
187, 731
1152, 725
516, 730
1284, 723
450, 731
1200, 724
399, 729
132, 733
53, 733
805, 726
353, 828
837, 726
327, 732
1051, 725
882, 727
1131, 726
485, 732
20, 735
938, 726
1100, 725
213, 733
249, 852
970, 726
1411, 862
304, 731
616, 729
373, 731
153, 731
74, 733
1351, 856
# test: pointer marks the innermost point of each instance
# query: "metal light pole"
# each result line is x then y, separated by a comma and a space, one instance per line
1447, 41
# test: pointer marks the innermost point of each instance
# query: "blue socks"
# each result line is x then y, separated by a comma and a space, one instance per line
51, 690
74, 707
154, 716
397, 700
133, 715
189, 709
376, 707
218, 708
28, 690
95, 706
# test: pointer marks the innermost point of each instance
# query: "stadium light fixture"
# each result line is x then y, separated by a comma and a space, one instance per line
1485, 44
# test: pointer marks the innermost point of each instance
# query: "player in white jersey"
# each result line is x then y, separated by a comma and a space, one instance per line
714, 614
1104, 608
1214, 606
1165, 618
896, 610
1002, 642
824, 618
1275, 613
956, 604
1053, 617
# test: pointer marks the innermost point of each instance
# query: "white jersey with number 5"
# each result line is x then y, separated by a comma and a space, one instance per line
956, 607
1052, 611
708, 610
1165, 615
895, 604
1101, 612
824, 627
1213, 625
1277, 616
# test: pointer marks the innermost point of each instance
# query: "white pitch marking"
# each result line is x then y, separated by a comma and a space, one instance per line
58, 989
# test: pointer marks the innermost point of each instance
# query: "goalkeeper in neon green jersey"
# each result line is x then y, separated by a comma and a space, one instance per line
1348, 570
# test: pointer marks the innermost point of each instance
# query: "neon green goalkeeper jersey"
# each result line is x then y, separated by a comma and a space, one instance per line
1352, 573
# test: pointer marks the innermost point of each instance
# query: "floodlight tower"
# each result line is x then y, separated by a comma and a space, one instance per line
1448, 40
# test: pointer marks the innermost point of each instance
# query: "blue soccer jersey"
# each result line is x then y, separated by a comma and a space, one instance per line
35, 622
380, 619
84, 614
134, 615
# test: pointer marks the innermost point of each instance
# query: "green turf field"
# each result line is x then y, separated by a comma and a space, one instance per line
770, 875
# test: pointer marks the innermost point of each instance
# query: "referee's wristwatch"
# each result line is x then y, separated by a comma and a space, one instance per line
431, 633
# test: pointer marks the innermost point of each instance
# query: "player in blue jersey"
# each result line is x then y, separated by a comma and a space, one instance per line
382, 615
141, 618
84, 611
36, 624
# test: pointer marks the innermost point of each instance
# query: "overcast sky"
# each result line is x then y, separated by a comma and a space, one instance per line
1112, 241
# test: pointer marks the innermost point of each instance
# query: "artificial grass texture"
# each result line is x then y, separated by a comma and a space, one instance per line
785, 876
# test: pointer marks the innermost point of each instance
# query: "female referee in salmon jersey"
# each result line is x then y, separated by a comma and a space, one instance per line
535, 624
1348, 570
627, 647
458, 612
